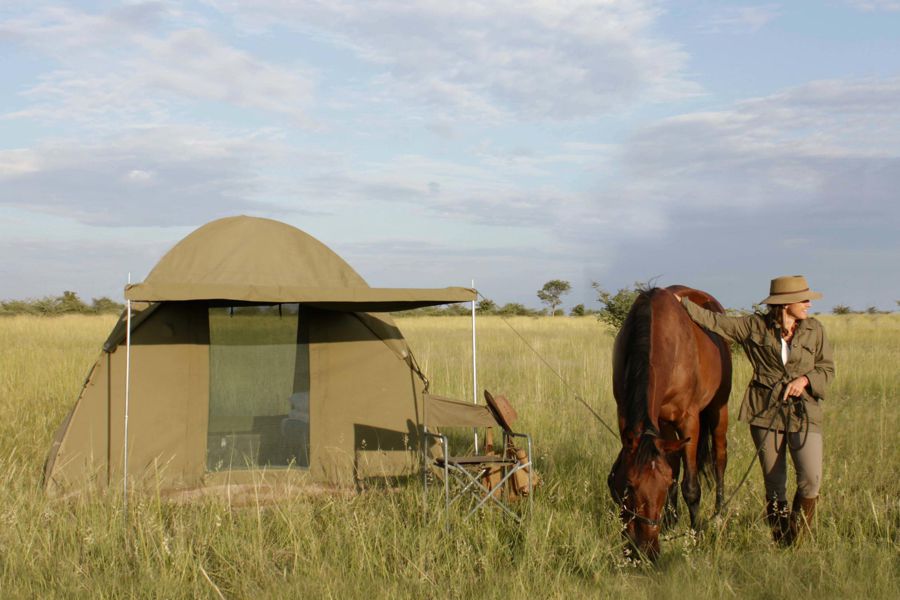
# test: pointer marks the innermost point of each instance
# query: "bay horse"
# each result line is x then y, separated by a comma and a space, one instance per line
671, 381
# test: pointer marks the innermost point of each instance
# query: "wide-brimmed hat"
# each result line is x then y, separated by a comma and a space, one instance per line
789, 289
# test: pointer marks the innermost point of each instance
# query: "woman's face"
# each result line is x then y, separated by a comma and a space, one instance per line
797, 310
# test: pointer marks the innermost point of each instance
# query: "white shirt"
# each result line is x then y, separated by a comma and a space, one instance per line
785, 351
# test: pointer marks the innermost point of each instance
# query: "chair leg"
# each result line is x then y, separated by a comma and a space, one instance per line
447, 495
489, 495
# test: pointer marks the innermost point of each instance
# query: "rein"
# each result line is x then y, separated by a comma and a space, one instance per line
641, 518
637, 516
782, 408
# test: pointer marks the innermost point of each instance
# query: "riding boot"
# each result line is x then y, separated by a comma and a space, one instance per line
778, 518
803, 514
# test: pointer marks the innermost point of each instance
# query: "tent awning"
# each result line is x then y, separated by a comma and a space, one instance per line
355, 299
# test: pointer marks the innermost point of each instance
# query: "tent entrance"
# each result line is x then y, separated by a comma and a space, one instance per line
258, 387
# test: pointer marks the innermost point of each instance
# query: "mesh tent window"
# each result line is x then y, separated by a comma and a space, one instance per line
258, 389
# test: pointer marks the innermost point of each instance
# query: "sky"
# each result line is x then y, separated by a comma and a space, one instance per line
433, 143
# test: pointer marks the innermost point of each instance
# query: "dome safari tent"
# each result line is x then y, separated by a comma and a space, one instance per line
256, 355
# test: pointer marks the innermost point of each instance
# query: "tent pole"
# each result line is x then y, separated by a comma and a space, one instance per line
127, 398
474, 366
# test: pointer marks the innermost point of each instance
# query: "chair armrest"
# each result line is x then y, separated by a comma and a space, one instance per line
440, 436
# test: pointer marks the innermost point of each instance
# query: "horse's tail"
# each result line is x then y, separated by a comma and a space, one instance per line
704, 447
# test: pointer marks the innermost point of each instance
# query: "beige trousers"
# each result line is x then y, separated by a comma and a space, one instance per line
806, 453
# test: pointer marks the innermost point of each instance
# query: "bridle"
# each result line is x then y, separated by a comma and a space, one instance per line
633, 516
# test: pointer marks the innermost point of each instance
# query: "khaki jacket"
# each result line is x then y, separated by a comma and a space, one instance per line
810, 355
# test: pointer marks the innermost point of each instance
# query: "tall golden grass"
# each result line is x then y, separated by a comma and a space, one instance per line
381, 545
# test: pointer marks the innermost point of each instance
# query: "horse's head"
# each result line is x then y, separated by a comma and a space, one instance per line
639, 481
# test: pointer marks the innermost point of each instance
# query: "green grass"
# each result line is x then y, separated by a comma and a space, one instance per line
380, 545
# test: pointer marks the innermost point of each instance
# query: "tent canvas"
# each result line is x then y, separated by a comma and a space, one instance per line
255, 351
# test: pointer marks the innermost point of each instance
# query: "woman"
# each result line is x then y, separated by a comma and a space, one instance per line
792, 367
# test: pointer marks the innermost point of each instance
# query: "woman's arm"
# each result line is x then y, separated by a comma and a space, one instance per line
735, 329
823, 371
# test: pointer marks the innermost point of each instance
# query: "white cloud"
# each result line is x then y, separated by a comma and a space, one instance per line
103, 101
140, 176
765, 151
740, 19
17, 162
34, 267
804, 180
875, 5
159, 176
130, 66
504, 193
484, 60
503, 273
61, 32
196, 65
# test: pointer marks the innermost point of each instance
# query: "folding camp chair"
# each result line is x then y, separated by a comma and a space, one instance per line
482, 478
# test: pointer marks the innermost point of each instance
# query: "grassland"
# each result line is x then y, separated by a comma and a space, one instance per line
378, 544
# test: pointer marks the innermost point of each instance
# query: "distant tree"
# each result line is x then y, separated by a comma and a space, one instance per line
841, 309
513, 308
68, 303
17, 307
577, 311
449, 310
486, 306
615, 307
551, 293
105, 305
456, 310
46, 305
872, 310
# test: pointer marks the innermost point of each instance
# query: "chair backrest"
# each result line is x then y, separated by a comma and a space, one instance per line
445, 412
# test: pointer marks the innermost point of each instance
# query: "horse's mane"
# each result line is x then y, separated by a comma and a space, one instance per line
636, 333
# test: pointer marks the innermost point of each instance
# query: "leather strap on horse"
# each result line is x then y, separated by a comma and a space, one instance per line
637, 516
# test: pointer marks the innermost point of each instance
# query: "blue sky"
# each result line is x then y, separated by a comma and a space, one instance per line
715, 144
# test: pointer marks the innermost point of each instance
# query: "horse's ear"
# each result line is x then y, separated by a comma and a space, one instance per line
671, 446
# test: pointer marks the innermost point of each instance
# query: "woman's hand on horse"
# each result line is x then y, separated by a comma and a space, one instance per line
795, 387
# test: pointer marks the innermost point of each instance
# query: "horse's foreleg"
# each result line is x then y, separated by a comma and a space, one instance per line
670, 514
719, 428
690, 483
